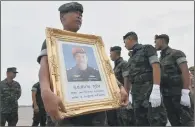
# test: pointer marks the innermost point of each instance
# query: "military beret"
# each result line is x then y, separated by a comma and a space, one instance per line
77, 50
115, 48
72, 6
12, 69
130, 34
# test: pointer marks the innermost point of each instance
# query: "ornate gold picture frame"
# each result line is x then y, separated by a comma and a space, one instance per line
82, 91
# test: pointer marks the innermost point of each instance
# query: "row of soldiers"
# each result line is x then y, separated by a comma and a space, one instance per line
9, 111
124, 116
178, 111
159, 88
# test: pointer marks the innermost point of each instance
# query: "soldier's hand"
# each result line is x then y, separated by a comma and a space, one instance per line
155, 96
185, 98
53, 104
36, 108
124, 96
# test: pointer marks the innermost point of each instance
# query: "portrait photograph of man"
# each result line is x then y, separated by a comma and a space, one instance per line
80, 63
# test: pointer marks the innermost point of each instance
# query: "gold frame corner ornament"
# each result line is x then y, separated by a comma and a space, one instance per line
74, 109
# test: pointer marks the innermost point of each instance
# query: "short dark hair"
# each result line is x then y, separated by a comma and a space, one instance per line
61, 14
162, 36
116, 49
118, 52
131, 34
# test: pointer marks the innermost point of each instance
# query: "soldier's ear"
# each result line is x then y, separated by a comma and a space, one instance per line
62, 17
7, 73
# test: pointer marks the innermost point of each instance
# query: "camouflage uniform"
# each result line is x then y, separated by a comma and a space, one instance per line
124, 115
49, 121
192, 86
39, 117
192, 94
171, 86
93, 119
141, 78
10, 93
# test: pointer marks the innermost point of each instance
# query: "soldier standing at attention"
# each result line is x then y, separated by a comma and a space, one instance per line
124, 115
71, 19
144, 75
10, 91
39, 115
174, 82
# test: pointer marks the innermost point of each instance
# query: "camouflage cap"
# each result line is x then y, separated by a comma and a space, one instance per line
130, 34
72, 6
12, 69
115, 48
77, 50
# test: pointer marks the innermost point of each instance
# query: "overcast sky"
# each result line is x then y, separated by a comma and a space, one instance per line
23, 30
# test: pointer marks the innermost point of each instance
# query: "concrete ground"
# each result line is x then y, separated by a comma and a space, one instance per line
26, 114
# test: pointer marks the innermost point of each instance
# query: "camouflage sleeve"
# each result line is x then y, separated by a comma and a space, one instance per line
151, 53
43, 51
0, 88
18, 91
179, 57
125, 71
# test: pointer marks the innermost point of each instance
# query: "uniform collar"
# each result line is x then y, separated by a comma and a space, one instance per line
136, 47
77, 68
118, 61
130, 53
166, 51
6, 81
